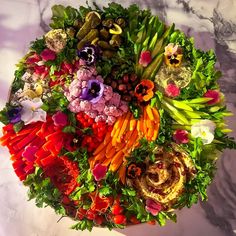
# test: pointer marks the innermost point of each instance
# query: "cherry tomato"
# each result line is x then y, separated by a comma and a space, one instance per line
119, 219
116, 209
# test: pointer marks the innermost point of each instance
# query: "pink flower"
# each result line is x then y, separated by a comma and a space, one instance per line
29, 153
214, 94
48, 55
60, 119
181, 136
145, 58
85, 105
99, 172
172, 90
115, 100
110, 120
153, 207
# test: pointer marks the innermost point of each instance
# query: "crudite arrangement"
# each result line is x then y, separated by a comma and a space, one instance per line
115, 118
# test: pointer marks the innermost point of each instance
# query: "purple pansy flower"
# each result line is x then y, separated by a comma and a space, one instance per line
93, 92
153, 207
88, 54
99, 172
14, 115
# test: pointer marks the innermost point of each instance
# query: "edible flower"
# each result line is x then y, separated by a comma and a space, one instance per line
32, 112
144, 90
99, 204
63, 173
172, 90
180, 136
48, 55
29, 153
173, 55
88, 54
93, 92
14, 115
99, 172
153, 207
145, 58
60, 119
134, 171
204, 130
214, 94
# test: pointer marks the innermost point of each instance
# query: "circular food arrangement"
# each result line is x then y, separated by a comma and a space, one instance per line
114, 118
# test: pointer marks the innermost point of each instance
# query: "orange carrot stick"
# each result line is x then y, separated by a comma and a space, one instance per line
106, 162
111, 153
156, 115
124, 126
122, 172
149, 112
132, 123
99, 148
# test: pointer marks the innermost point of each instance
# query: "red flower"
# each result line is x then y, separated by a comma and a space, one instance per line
63, 173
172, 90
99, 171
145, 58
33, 59
99, 204
48, 55
181, 136
214, 95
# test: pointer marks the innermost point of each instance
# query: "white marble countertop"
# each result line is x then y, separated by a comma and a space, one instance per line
213, 23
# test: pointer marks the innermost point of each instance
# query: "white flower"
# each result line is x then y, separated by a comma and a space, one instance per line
205, 130
32, 112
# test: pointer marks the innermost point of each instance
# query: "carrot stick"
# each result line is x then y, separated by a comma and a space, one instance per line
156, 115
99, 148
150, 124
109, 147
111, 153
132, 123
139, 125
100, 155
145, 118
115, 165
120, 146
114, 138
150, 134
122, 172
132, 139
106, 162
124, 126
149, 112
107, 138
117, 125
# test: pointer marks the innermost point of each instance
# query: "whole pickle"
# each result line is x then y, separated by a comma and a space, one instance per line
88, 38
92, 20
104, 44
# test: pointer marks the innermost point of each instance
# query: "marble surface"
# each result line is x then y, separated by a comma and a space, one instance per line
213, 24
